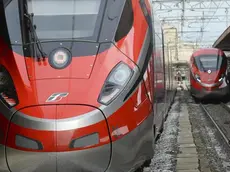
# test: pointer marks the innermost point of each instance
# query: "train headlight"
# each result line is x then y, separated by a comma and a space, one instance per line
115, 83
221, 78
60, 58
197, 77
8, 92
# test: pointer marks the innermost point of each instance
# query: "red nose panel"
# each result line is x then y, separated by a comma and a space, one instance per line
27, 142
210, 78
50, 138
86, 135
80, 67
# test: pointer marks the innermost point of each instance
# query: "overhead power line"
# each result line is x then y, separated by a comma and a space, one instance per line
191, 9
172, 1
167, 10
198, 23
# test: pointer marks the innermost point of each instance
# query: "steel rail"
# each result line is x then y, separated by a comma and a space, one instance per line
225, 107
216, 125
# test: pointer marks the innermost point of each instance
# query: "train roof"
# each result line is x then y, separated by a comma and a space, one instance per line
207, 51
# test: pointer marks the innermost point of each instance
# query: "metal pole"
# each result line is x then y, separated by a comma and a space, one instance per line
176, 42
169, 65
182, 17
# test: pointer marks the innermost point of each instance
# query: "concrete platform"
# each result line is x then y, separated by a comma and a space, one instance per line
187, 158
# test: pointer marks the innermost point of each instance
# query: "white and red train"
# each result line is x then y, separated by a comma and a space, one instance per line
84, 85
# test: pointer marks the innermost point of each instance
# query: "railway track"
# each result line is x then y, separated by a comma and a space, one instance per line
219, 126
226, 107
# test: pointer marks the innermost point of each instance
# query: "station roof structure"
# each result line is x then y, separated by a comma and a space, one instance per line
223, 42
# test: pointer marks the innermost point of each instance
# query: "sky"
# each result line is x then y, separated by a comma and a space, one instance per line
216, 19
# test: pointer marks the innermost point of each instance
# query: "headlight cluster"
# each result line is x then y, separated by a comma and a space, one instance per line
197, 77
60, 58
8, 92
115, 83
221, 78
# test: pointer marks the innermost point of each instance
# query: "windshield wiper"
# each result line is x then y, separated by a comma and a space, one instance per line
202, 66
36, 40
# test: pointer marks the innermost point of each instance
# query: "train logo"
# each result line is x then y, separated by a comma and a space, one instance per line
209, 71
56, 97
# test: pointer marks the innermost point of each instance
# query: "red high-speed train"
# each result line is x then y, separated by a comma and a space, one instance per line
78, 87
208, 74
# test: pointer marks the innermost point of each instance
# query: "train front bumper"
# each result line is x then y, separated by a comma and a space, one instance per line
54, 143
89, 160
49, 148
213, 94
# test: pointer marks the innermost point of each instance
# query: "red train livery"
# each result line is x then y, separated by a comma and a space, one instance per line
78, 86
208, 74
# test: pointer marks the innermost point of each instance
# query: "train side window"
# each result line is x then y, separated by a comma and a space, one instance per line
126, 21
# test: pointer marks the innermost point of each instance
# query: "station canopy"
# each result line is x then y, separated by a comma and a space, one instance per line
223, 42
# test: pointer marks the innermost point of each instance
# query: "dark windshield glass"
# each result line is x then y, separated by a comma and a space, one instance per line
11, 22
209, 62
66, 19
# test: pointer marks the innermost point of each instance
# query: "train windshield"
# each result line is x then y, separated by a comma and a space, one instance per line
66, 19
209, 62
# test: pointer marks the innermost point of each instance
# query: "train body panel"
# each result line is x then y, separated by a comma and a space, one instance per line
208, 74
85, 97
160, 94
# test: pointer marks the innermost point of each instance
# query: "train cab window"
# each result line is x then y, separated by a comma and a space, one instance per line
209, 62
6, 2
69, 19
11, 22
126, 21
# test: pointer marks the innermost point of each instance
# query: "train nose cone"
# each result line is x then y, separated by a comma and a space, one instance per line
209, 77
82, 139
58, 138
